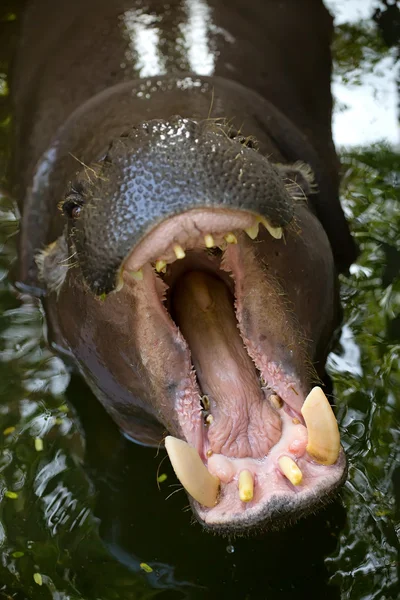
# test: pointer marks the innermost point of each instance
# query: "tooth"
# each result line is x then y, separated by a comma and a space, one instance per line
161, 266
276, 401
252, 231
290, 470
276, 232
209, 419
323, 431
230, 238
179, 251
120, 285
205, 400
246, 486
209, 241
138, 275
191, 472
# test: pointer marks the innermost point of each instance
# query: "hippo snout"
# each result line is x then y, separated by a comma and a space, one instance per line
203, 290
159, 171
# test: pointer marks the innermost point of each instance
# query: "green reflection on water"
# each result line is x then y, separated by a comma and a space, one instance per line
85, 511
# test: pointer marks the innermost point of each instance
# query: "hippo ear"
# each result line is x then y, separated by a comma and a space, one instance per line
298, 179
52, 263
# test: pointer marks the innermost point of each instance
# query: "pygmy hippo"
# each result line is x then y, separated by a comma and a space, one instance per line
178, 187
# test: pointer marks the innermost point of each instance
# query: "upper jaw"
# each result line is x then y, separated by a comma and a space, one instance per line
158, 171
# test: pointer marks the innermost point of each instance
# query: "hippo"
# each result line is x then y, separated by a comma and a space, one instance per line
181, 224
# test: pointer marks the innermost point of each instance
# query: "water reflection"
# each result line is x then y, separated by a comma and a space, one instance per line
144, 40
196, 33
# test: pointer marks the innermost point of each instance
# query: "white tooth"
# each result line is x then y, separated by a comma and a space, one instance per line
191, 472
209, 241
323, 431
252, 231
290, 469
276, 232
179, 251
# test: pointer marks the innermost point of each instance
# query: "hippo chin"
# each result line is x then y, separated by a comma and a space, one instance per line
183, 228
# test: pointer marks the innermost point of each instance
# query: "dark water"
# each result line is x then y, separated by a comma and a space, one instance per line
86, 518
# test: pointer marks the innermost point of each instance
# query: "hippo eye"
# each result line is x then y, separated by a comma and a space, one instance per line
72, 206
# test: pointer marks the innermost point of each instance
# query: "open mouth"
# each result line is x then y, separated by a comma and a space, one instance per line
254, 443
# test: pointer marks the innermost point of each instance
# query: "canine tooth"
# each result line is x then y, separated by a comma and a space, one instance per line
290, 470
209, 419
276, 232
209, 241
252, 231
161, 266
209, 453
323, 431
191, 472
295, 421
230, 238
179, 251
138, 275
246, 486
276, 401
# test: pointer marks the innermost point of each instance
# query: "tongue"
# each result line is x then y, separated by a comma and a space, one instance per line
244, 423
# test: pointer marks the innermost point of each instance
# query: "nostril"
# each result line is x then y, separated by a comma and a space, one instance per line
249, 141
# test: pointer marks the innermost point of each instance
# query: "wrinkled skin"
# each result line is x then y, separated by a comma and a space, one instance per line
126, 148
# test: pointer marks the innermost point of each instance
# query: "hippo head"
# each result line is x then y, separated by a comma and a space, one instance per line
196, 289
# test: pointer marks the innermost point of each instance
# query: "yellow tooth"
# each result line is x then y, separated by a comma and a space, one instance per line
138, 275
246, 486
276, 232
230, 238
209, 241
120, 284
206, 402
290, 470
179, 251
161, 266
252, 231
191, 472
323, 431
276, 401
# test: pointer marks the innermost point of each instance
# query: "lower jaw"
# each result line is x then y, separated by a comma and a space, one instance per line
277, 504
276, 501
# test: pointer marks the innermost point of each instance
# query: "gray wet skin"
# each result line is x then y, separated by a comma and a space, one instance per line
223, 112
